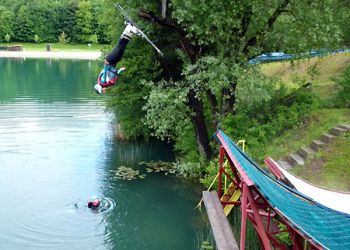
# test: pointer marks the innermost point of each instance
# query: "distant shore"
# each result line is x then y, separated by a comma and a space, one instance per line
82, 55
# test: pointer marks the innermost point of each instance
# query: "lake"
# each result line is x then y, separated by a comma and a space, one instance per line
57, 149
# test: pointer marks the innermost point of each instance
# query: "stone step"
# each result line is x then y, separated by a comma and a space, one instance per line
284, 165
337, 131
327, 138
295, 159
305, 152
316, 145
345, 126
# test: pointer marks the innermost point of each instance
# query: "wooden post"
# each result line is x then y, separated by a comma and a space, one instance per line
48, 47
220, 226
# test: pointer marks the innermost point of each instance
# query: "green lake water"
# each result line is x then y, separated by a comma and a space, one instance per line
57, 149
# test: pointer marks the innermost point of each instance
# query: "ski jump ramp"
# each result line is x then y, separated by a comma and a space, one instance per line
339, 201
322, 227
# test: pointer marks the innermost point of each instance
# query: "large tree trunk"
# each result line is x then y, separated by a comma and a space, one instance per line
198, 120
213, 103
200, 127
232, 97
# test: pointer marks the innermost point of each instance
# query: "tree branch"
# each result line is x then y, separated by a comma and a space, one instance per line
270, 22
247, 16
191, 50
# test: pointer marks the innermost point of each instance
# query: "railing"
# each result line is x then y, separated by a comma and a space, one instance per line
242, 145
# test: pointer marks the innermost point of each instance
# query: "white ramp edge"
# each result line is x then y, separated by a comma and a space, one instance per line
339, 201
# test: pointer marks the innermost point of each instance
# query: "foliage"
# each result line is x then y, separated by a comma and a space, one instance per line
7, 38
36, 38
188, 169
63, 38
79, 19
343, 96
268, 120
164, 120
24, 25
205, 82
211, 172
84, 21
342, 16
93, 38
6, 23
284, 237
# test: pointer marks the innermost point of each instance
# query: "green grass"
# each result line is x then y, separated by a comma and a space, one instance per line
313, 128
329, 167
321, 71
57, 46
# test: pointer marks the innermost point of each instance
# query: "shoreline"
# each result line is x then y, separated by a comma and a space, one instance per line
81, 55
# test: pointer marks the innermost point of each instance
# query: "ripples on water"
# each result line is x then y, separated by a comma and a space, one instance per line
57, 149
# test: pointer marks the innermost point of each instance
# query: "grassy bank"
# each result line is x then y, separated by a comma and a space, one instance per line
321, 71
313, 128
57, 46
330, 167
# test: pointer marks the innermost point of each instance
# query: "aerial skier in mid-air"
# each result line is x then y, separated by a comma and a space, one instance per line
109, 74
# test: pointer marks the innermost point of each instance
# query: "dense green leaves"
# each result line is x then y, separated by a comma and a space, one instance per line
83, 20
24, 25
6, 23
205, 78
343, 96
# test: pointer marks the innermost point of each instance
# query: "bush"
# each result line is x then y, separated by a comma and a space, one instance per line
63, 38
7, 38
263, 123
343, 96
93, 39
36, 38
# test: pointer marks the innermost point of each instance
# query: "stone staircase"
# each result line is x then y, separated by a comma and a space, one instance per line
303, 153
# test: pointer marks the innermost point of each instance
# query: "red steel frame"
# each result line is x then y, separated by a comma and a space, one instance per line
255, 207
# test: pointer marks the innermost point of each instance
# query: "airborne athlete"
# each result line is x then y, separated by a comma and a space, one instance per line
109, 75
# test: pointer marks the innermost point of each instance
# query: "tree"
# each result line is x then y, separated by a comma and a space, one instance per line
63, 38
24, 26
342, 16
6, 23
84, 21
7, 38
209, 52
67, 21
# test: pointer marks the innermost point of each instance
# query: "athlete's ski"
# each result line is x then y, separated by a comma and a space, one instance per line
143, 35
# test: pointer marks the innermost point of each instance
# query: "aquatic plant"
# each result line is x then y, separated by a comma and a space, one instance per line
129, 174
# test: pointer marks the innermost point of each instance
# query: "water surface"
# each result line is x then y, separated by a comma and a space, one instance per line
57, 149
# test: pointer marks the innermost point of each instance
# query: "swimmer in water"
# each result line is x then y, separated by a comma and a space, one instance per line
94, 203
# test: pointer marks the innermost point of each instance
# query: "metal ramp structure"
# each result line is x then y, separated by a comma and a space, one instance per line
266, 201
